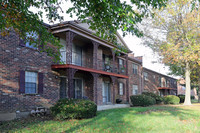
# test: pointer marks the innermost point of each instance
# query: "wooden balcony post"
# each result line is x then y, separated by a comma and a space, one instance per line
69, 42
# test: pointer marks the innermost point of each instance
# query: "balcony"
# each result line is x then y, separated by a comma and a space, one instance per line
87, 62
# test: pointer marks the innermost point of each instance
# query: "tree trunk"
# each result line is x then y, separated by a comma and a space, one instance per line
199, 91
188, 88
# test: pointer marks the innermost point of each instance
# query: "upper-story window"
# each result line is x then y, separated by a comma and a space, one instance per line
145, 76
77, 55
167, 83
154, 78
31, 81
31, 39
135, 69
159, 81
121, 65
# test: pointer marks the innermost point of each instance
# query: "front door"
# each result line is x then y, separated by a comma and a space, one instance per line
63, 88
106, 93
78, 86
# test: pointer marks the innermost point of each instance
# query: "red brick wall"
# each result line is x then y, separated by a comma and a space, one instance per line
134, 79
14, 58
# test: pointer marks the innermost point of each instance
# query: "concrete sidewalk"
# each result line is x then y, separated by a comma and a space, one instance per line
113, 106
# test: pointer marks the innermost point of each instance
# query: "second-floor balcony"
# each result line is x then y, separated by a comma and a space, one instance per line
79, 59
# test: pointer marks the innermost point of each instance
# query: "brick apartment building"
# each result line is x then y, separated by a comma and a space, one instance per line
159, 83
91, 70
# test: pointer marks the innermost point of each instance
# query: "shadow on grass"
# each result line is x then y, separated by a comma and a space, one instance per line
106, 121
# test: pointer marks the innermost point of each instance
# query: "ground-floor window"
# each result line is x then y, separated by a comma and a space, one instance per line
135, 90
121, 89
31, 81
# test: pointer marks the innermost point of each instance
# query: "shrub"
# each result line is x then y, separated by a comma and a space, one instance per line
171, 99
74, 109
142, 100
182, 98
158, 98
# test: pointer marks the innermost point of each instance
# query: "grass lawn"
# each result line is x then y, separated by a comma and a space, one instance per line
159, 119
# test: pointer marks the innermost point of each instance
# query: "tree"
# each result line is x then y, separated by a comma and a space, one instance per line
108, 16
178, 40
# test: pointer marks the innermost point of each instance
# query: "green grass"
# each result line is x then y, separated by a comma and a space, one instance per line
154, 119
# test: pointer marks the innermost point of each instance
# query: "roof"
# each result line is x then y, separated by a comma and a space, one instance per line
85, 27
158, 73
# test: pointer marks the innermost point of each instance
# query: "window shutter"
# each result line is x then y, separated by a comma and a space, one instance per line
21, 42
40, 83
22, 81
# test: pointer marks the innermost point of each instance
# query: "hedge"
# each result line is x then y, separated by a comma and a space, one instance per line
74, 109
158, 98
171, 99
142, 100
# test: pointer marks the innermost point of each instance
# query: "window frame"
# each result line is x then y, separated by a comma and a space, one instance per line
33, 35
36, 82
145, 75
121, 89
133, 89
135, 69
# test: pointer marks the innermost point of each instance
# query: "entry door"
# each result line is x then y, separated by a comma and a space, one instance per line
78, 85
106, 93
63, 88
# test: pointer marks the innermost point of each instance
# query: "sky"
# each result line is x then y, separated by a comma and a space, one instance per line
150, 59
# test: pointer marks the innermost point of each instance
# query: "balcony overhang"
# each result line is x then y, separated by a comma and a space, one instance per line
88, 70
165, 88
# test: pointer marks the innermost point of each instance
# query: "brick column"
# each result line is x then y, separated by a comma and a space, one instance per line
95, 52
69, 42
127, 80
113, 67
70, 84
113, 84
95, 80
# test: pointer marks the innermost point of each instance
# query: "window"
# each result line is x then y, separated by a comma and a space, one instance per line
159, 81
31, 39
121, 66
135, 69
154, 78
145, 76
121, 87
31, 80
135, 90
77, 55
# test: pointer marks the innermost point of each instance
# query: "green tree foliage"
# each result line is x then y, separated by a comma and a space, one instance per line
108, 16
178, 40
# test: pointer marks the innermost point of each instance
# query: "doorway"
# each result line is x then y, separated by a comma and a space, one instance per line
106, 93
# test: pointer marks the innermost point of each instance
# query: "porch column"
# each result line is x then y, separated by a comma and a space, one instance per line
113, 84
113, 67
95, 80
95, 53
70, 84
127, 80
69, 42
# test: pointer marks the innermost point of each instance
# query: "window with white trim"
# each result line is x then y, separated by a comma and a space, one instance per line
135, 90
31, 39
31, 81
135, 69
145, 76
121, 89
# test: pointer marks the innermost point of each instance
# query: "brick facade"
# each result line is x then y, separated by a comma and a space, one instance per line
15, 58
